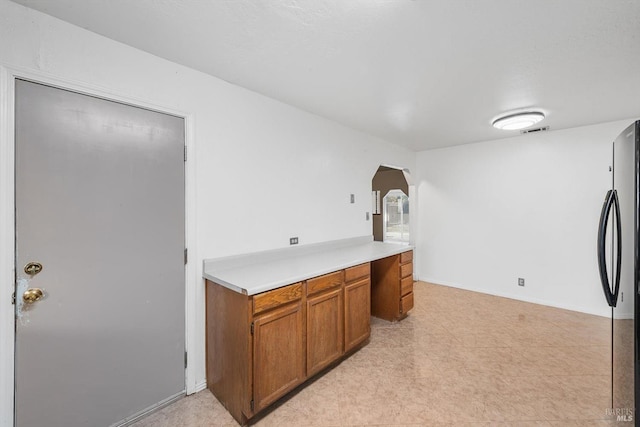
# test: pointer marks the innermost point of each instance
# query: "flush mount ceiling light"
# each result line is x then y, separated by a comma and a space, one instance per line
518, 120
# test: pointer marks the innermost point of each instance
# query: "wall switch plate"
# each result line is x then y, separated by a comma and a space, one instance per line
353, 198
520, 281
293, 240
367, 216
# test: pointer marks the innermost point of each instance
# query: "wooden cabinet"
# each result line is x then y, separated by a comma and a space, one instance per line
325, 323
261, 347
357, 306
278, 354
325, 329
229, 348
392, 286
406, 282
255, 346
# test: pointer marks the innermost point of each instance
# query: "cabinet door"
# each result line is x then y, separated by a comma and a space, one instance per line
357, 309
278, 354
325, 330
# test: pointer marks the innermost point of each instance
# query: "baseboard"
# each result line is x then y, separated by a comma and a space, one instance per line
199, 387
148, 411
602, 313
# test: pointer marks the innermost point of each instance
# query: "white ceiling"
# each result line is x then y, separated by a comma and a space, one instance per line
423, 74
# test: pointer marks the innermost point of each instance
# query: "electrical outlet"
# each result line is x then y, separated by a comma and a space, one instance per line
293, 240
353, 198
520, 281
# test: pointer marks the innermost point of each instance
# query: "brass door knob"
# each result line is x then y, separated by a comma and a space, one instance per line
32, 295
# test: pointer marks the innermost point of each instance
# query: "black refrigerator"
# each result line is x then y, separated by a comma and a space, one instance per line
618, 242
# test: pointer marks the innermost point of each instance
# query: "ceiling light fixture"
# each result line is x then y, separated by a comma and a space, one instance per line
518, 120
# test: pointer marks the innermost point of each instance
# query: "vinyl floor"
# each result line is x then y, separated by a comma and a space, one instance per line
461, 358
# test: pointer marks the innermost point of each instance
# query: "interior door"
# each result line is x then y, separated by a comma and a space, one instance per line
100, 321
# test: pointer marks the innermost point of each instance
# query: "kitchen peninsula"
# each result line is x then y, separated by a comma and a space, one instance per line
274, 319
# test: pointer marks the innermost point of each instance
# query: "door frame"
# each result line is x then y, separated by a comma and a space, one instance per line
8, 75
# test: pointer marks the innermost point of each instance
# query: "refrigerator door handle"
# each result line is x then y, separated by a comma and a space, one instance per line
616, 286
602, 235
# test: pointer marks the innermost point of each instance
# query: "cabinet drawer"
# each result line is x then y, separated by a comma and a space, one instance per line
406, 257
406, 270
357, 272
276, 297
406, 303
321, 283
406, 285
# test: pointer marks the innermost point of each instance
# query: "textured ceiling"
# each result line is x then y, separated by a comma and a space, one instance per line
422, 74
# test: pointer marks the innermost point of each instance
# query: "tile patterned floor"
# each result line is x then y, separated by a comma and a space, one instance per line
460, 359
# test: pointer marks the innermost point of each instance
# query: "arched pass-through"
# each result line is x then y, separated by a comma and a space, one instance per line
390, 190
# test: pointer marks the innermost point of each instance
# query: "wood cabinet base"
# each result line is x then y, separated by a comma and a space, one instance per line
392, 286
261, 347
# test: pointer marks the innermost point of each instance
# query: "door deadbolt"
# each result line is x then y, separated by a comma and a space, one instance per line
33, 268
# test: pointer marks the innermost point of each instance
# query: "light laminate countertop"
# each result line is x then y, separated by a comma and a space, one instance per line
251, 274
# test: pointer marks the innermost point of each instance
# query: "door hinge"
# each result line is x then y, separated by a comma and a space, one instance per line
13, 298
251, 404
251, 328
185, 153
185, 360
186, 256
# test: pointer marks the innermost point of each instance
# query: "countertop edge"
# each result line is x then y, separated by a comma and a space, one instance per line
263, 264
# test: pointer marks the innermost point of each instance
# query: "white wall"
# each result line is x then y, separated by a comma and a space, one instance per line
264, 171
525, 207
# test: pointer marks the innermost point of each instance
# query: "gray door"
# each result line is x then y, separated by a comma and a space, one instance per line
100, 206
